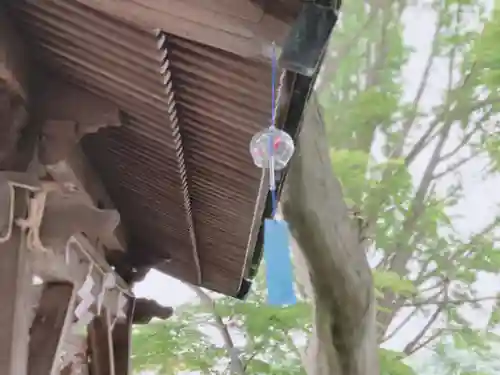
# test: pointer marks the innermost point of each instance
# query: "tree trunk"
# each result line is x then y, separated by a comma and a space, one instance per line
342, 287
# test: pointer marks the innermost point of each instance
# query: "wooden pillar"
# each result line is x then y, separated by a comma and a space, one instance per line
52, 319
110, 351
100, 350
122, 341
15, 278
15, 283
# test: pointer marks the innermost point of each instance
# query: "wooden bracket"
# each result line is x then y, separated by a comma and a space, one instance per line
67, 114
147, 309
76, 175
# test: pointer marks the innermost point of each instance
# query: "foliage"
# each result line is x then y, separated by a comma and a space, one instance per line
448, 361
391, 363
402, 146
175, 346
380, 132
267, 339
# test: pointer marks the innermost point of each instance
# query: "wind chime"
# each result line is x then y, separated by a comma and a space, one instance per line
272, 149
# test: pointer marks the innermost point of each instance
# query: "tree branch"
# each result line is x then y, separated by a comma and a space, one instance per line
422, 142
431, 287
236, 363
383, 262
410, 347
425, 342
467, 137
453, 167
341, 277
332, 63
450, 302
421, 277
401, 258
417, 205
400, 326
247, 362
410, 120
401, 304
427, 137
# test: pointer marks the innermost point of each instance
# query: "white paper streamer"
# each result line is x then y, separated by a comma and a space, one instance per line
108, 282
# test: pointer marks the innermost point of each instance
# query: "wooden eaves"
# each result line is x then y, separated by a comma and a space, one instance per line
191, 82
124, 146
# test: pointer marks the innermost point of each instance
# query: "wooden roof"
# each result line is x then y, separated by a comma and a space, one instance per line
192, 81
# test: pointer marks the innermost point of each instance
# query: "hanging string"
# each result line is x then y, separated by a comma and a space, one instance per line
273, 148
272, 180
274, 64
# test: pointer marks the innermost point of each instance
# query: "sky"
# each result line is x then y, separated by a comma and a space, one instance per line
481, 197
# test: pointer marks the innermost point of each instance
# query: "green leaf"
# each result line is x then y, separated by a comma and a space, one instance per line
391, 363
391, 280
494, 319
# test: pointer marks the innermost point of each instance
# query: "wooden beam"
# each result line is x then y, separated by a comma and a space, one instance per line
238, 26
13, 86
13, 64
15, 281
51, 322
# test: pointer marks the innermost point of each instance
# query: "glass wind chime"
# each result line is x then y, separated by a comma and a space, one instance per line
272, 149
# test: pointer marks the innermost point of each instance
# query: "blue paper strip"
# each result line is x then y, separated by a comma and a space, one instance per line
279, 270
